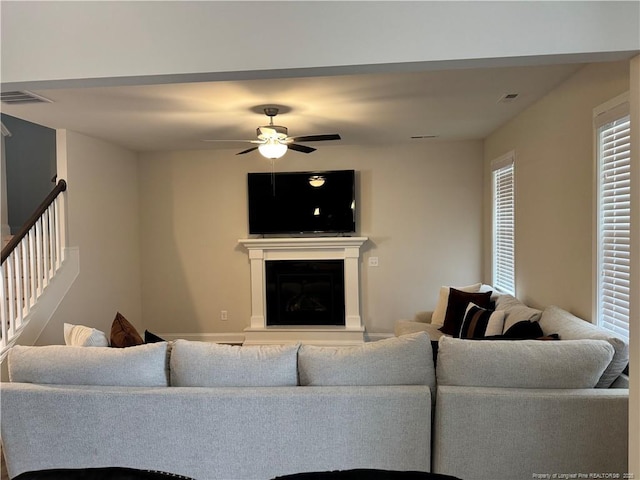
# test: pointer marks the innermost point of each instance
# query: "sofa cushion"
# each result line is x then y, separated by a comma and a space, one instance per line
404, 360
123, 334
81, 336
141, 366
457, 306
556, 320
204, 364
515, 311
480, 322
443, 300
523, 364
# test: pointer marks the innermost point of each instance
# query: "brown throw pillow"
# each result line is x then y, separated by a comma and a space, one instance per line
457, 306
123, 334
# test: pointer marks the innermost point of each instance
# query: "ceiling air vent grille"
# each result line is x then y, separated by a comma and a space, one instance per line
508, 97
20, 97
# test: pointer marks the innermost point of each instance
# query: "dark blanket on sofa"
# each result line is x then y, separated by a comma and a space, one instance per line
367, 474
111, 473
117, 473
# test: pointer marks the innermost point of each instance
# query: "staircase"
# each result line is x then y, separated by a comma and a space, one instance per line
30, 261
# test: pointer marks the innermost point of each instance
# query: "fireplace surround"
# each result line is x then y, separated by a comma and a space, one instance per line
345, 328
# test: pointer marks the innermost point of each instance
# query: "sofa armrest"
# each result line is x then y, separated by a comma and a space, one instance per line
423, 317
535, 431
420, 323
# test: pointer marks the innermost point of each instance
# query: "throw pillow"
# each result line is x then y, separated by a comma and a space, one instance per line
515, 310
479, 322
152, 337
457, 305
81, 336
123, 334
437, 318
524, 330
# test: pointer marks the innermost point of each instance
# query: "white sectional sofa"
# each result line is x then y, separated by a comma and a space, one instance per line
220, 411
509, 410
487, 410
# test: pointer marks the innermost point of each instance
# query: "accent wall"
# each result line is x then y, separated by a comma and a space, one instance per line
419, 204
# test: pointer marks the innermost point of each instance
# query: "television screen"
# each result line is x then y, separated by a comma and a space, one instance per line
302, 202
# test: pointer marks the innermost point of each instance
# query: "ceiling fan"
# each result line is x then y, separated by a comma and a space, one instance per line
273, 140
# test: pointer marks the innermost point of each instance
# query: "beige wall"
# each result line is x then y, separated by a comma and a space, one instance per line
102, 218
553, 141
420, 205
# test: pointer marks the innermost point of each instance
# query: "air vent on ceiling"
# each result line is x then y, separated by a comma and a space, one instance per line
23, 96
508, 98
415, 137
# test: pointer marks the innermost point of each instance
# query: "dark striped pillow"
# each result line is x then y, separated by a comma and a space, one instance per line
479, 322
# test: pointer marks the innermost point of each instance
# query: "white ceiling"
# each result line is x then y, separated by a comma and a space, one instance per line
372, 108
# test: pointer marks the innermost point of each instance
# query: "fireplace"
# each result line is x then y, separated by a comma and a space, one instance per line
305, 290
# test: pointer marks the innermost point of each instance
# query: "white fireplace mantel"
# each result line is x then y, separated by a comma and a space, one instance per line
262, 250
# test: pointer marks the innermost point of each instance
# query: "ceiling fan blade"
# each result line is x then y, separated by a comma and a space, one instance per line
316, 138
300, 148
247, 150
235, 141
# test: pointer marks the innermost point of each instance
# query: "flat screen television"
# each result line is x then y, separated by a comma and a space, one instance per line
302, 202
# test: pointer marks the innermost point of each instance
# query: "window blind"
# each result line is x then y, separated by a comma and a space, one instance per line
504, 225
614, 225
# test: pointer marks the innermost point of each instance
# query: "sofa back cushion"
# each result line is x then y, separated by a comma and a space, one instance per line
569, 327
141, 366
515, 311
523, 363
404, 360
204, 364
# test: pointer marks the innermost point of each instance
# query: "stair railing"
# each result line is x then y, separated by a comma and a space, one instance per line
29, 262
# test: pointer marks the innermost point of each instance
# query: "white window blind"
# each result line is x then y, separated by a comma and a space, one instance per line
504, 224
614, 221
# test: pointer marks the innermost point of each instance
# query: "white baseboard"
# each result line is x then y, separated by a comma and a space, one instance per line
232, 338
238, 337
374, 337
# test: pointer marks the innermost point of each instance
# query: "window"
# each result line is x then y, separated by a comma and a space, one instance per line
503, 250
613, 145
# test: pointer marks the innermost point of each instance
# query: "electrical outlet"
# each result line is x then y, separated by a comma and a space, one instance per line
223, 315
373, 261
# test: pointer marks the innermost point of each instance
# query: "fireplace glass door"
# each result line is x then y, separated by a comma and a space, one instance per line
305, 292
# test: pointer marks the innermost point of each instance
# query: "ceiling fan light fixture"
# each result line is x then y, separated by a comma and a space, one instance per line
316, 181
272, 149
